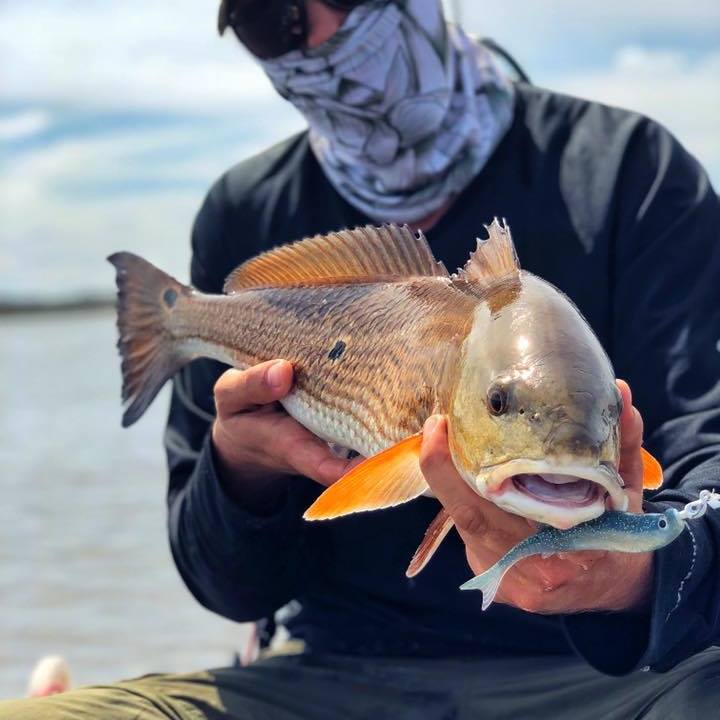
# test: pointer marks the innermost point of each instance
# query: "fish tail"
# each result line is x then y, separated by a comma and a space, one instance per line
146, 302
488, 583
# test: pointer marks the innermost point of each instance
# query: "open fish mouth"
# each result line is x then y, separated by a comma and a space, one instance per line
557, 489
561, 495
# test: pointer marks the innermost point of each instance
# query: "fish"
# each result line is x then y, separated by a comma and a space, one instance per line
381, 336
614, 531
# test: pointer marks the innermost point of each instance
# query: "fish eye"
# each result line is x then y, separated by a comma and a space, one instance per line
662, 523
497, 400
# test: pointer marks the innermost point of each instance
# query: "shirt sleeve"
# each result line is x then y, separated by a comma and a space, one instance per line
666, 343
240, 565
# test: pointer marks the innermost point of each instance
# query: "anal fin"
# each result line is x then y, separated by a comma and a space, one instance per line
390, 478
434, 535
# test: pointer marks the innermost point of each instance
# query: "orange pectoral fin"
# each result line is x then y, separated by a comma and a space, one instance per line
390, 478
652, 472
434, 535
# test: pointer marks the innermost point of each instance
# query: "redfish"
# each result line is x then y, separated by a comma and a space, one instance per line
381, 336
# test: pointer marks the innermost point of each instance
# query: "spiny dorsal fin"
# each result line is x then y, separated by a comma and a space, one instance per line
494, 259
348, 256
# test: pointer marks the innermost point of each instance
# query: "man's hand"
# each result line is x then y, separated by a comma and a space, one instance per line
573, 582
257, 444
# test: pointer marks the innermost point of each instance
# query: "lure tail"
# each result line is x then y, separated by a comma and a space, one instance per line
147, 300
488, 583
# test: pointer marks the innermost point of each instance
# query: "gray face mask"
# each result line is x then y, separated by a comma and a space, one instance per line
404, 110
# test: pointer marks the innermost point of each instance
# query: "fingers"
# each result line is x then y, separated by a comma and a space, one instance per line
252, 437
620, 581
310, 456
535, 584
242, 390
273, 441
445, 482
478, 520
631, 424
631, 436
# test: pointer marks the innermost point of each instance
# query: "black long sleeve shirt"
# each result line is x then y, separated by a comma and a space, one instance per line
606, 205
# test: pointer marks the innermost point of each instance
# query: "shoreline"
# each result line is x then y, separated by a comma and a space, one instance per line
81, 304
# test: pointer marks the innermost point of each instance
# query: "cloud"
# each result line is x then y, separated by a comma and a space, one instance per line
518, 20
17, 126
116, 117
681, 93
121, 115
136, 54
131, 55
68, 203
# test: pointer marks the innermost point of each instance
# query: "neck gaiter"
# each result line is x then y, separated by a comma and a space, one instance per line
404, 109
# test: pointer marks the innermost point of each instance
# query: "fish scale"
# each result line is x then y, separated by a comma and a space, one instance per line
379, 390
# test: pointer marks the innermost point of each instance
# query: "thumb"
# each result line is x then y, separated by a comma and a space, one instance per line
435, 457
631, 436
462, 503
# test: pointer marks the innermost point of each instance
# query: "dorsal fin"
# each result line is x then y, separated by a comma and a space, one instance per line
494, 259
355, 255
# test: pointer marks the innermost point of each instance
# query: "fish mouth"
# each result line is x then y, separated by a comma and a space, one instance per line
561, 495
557, 489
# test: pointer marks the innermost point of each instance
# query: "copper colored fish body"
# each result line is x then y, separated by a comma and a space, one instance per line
367, 356
381, 336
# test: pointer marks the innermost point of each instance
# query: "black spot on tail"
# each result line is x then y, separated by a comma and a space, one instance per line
169, 297
150, 356
337, 351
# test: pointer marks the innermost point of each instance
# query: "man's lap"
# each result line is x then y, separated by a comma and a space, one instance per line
327, 687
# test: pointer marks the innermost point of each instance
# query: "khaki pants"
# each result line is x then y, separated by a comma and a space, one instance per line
331, 687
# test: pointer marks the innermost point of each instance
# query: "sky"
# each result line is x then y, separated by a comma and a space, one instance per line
115, 117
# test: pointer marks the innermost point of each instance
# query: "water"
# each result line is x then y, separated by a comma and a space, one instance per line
85, 568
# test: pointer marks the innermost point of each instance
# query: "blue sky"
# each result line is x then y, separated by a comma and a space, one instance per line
115, 117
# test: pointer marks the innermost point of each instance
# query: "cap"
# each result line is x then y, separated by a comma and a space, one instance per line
228, 6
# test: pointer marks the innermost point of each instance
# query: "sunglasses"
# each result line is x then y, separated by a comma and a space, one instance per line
269, 28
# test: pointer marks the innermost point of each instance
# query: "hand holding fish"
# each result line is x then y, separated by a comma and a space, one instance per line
258, 446
379, 335
590, 580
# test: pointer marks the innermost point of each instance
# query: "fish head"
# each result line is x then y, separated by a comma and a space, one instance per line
534, 419
653, 530
674, 523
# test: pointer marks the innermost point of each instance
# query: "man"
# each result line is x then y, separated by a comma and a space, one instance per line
412, 122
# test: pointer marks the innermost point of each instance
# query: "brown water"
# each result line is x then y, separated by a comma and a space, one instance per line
85, 569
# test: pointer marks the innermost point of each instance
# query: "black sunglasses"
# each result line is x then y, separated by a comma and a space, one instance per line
269, 28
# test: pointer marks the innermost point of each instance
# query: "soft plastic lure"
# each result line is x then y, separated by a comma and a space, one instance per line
616, 531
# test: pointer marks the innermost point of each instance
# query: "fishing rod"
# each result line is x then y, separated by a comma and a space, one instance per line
456, 16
